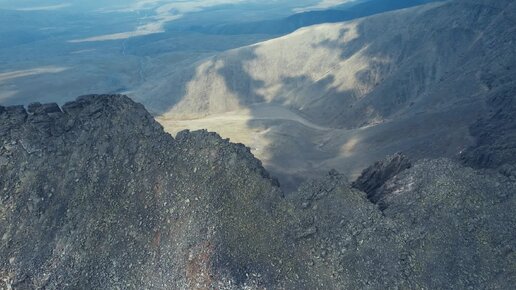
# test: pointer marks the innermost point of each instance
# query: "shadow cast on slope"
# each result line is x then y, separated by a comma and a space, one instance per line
406, 96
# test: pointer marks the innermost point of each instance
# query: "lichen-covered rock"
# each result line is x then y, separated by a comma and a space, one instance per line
95, 195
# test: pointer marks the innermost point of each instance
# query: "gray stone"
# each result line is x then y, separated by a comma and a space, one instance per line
373, 178
115, 202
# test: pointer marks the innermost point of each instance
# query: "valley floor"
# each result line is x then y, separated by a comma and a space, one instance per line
294, 148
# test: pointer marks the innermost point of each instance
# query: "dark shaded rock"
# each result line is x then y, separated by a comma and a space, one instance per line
38, 108
42, 116
334, 172
373, 178
11, 116
495, 134
16, 114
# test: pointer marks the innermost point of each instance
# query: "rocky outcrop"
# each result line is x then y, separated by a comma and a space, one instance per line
373, 178
443, 226
457, 223
98, 196
95, 195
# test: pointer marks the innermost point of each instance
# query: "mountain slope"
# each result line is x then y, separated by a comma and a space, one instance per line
291, 23
383, 63
96, 195
413, 80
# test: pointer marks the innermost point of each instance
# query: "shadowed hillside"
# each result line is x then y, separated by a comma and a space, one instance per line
413, 80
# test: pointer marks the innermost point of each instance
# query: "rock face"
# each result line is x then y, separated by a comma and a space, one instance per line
95, 195
373, 178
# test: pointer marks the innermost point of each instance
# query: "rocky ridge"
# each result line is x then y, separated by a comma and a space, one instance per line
96, 195
373, 178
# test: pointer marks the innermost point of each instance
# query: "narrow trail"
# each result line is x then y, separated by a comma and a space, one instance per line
253, 113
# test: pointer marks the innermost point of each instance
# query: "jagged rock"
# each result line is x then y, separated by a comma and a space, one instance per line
113, 202
373, 178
